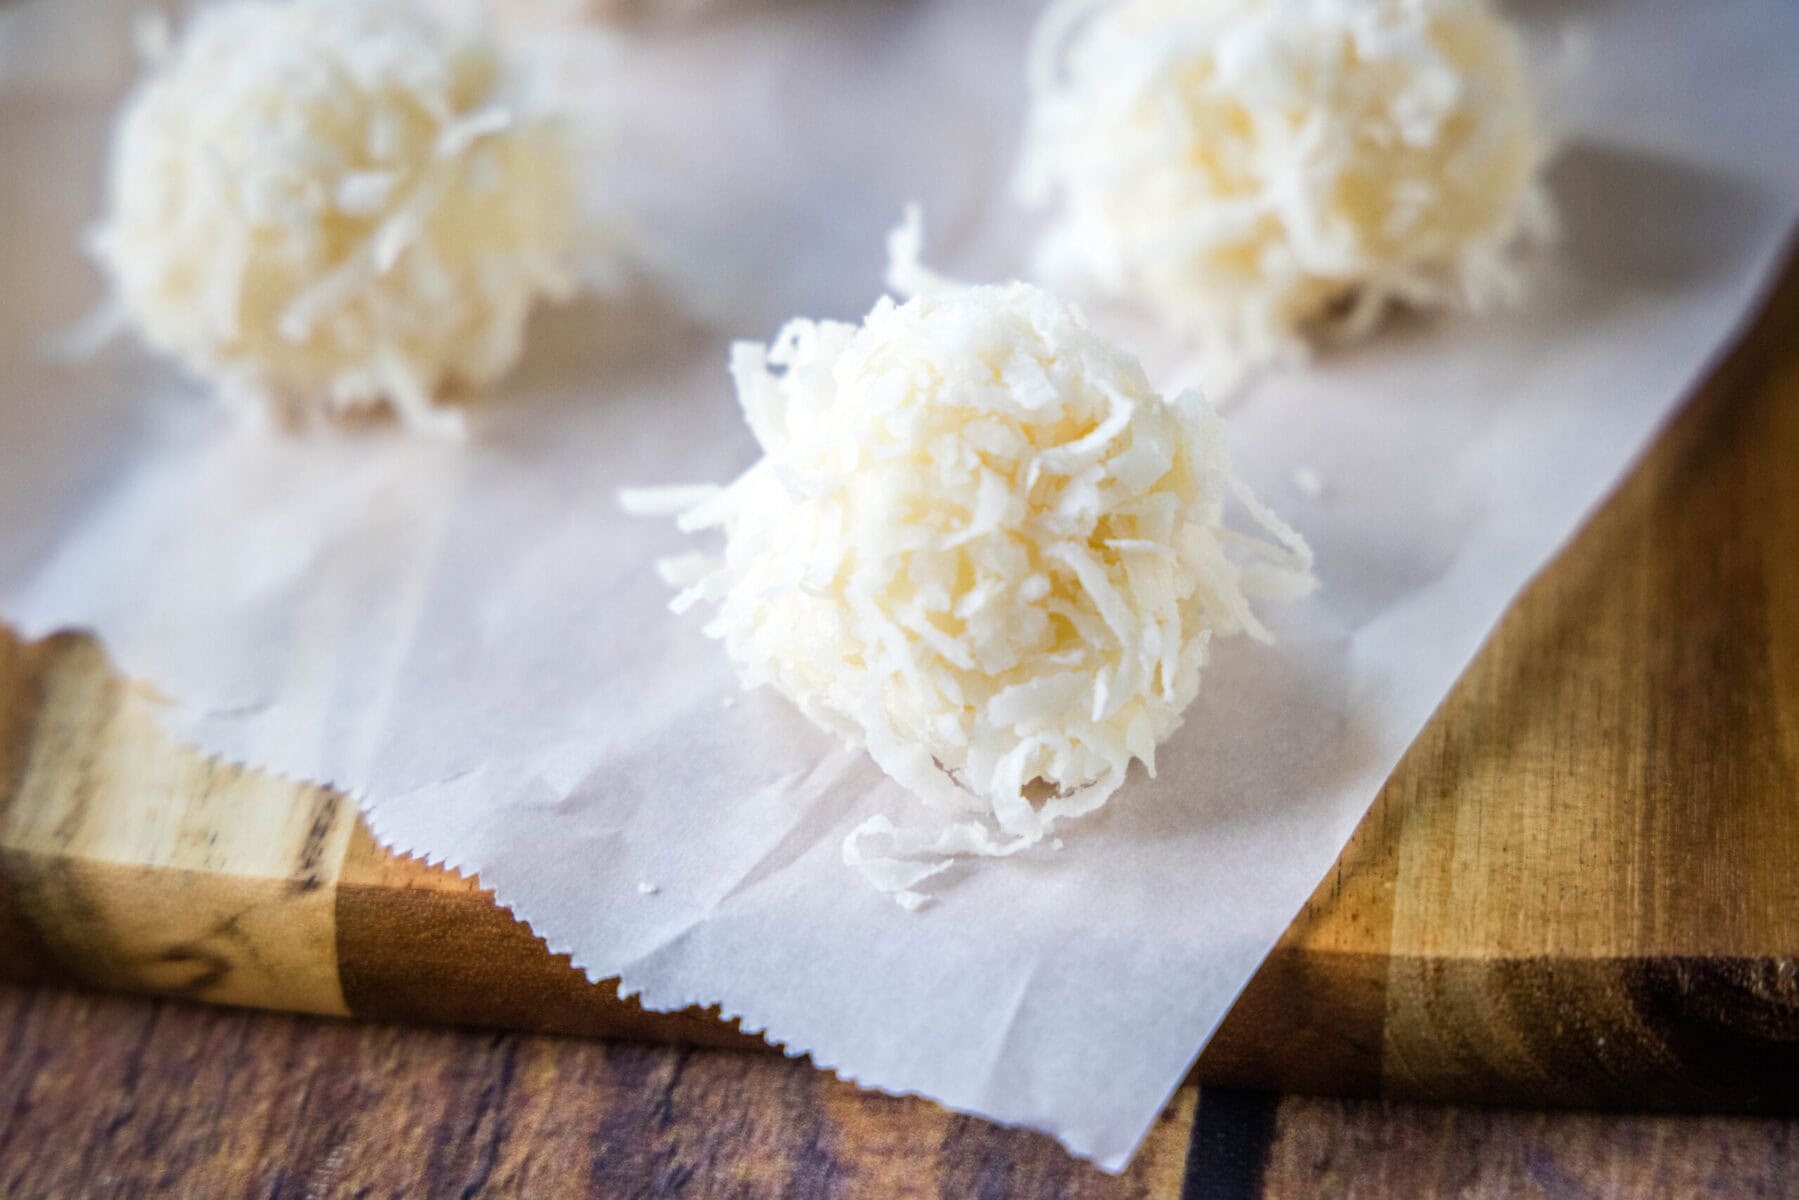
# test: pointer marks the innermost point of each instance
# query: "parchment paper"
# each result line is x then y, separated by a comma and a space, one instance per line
470, 639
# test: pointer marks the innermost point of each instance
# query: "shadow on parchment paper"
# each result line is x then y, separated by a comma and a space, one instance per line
1639, 223
597, 342
621, 388
1214, 773
1216, 769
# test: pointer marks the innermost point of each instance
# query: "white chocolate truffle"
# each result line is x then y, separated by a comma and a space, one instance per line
1265, 172
335, 204
982, 546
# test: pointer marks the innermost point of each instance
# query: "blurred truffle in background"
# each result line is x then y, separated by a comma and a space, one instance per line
1268, 174
335, 206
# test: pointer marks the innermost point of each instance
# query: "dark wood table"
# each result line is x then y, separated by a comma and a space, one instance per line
107, 1096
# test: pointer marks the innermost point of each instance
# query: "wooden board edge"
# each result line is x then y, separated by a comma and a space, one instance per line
1659, 1033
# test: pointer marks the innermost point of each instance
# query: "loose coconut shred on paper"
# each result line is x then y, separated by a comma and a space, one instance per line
981, 546
1265, 174
334, 205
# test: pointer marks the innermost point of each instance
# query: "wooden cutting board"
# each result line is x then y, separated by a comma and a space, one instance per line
1581, 886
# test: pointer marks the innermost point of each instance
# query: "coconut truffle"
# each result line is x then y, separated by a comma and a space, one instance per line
981, 545
1266, 173
334, 205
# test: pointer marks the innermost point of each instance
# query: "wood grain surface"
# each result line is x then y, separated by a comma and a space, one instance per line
108, 1097
1577, 889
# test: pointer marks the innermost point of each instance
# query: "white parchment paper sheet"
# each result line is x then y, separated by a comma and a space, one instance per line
470, 639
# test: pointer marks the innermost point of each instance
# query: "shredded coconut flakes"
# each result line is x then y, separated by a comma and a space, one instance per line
981, 546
